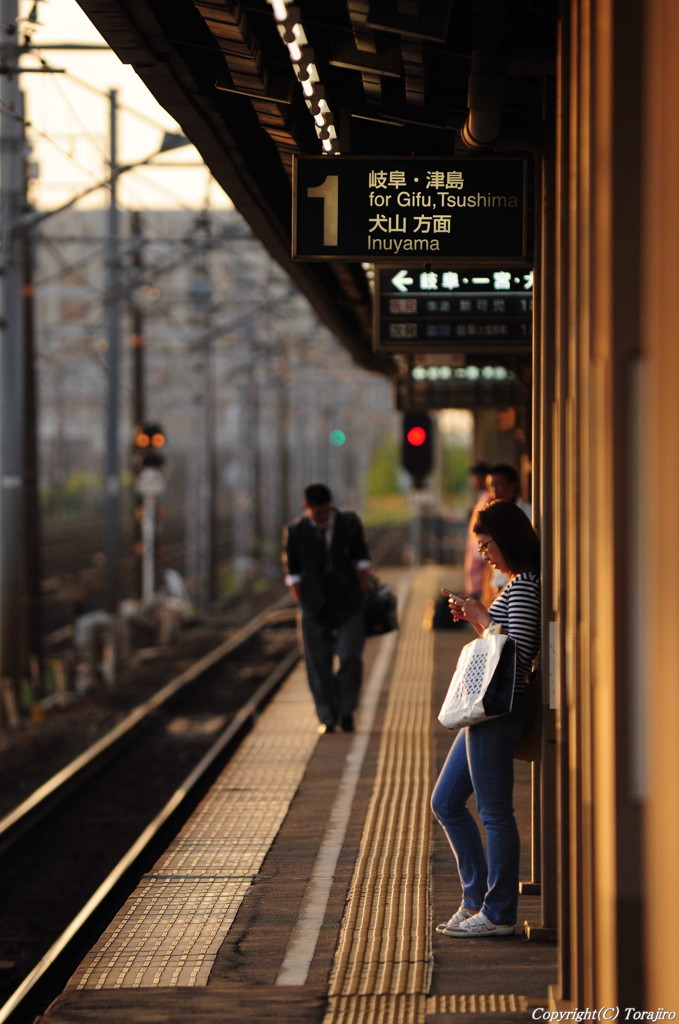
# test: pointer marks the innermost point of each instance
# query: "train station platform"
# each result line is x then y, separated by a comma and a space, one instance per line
306, 886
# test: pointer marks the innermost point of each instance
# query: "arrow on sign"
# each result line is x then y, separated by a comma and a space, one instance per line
401, 280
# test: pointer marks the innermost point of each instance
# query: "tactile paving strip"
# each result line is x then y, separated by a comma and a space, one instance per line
379, 1009
170, 929
490, 1003
417, 1009
382, 969
385, 943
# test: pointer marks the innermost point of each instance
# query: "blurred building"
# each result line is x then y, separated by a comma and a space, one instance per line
233, 362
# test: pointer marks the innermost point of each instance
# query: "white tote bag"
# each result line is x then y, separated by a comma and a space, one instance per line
482, 686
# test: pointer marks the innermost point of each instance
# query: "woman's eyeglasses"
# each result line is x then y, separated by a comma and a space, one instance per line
483, 548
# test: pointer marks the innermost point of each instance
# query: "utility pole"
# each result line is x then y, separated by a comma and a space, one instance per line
138, 346
32, 539
137, 315
256, 516
112, 472
12, 204
201, 468
16, 434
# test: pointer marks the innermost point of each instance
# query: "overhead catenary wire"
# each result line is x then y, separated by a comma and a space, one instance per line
183, 331
74, 112
94, 138
152, 273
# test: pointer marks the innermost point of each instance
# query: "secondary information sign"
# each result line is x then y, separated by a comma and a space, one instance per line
444, 310
381, 209
437, 384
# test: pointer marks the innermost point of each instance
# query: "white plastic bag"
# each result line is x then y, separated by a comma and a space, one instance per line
482, 686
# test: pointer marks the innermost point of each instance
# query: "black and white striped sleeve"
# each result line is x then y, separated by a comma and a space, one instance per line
518, 609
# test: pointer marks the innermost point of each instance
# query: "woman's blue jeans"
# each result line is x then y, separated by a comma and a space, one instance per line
481, 762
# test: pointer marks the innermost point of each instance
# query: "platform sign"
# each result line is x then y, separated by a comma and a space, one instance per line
444, 386
440, 309
461, 211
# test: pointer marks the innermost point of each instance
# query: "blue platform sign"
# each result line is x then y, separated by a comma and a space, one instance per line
461, 211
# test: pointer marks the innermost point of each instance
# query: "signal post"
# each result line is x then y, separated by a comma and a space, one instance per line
149, 485
417, 455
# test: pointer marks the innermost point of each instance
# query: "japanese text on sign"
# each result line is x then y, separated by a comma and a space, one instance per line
392, 191
429, 309
380, 208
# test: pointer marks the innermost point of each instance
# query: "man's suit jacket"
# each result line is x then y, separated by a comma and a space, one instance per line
330, 587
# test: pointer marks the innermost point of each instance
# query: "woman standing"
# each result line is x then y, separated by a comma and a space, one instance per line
481, 757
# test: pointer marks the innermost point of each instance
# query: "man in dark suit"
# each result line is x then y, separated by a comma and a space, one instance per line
327, 564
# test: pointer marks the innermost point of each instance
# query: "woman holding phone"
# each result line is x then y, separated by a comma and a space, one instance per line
481, 757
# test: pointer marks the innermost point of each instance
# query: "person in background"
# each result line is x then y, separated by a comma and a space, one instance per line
475, 566
504, 483
481, 757
327, 563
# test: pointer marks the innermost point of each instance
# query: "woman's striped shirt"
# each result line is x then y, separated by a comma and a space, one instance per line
517, 609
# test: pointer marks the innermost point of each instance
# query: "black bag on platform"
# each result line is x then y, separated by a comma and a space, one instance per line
441, 617
379, 608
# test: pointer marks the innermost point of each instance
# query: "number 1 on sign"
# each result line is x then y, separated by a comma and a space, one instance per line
328, 191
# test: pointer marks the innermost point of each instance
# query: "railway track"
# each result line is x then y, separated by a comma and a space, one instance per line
69, 852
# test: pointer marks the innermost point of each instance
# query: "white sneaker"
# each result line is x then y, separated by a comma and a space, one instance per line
458, 917
478, 926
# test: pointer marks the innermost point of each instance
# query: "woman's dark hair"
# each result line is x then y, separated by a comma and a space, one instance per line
513, 532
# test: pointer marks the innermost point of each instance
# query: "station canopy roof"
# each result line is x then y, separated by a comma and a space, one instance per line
395, 75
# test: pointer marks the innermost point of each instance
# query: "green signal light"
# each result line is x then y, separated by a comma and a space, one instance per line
338, 438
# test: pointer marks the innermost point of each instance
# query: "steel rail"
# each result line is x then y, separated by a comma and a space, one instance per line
26, 996
43, 800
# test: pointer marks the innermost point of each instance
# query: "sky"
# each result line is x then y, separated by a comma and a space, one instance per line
68, 116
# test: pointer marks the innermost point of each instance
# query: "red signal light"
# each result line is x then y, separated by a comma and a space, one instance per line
416, 436
417, 450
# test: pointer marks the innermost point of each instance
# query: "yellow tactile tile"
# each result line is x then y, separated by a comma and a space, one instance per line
383, 964
486, 1003
384, 952
172, 926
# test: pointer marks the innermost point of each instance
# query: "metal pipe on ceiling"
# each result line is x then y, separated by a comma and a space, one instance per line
486, 83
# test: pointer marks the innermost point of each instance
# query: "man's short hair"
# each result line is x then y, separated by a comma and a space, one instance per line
505, 469
317, 494
480, 469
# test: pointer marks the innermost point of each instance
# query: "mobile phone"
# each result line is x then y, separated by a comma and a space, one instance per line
457, 597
